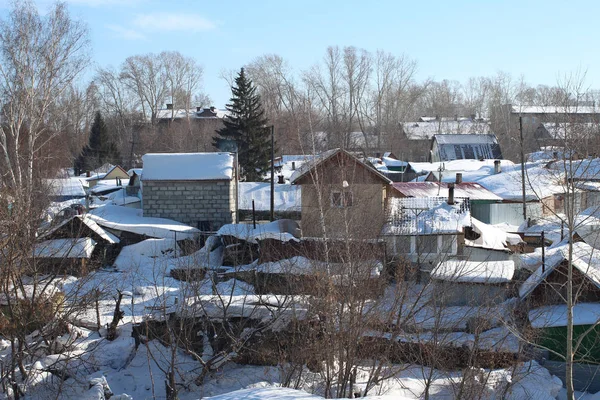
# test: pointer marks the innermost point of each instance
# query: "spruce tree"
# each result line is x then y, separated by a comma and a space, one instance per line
246, 125
99, 150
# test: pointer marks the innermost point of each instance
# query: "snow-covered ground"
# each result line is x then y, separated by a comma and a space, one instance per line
141, 273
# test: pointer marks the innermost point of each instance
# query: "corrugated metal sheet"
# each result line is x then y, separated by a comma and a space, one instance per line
471, 190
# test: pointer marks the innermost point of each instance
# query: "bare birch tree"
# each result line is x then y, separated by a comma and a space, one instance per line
41, 55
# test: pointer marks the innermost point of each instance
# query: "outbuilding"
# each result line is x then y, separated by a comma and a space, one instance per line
197, 189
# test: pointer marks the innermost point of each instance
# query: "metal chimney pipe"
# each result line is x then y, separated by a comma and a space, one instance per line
451, 193
497, 167
458, 178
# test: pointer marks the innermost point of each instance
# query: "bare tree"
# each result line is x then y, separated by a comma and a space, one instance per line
41, 58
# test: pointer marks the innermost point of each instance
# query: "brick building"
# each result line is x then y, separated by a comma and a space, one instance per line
197, 189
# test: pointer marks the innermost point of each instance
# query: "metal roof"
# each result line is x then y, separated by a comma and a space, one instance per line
471, 190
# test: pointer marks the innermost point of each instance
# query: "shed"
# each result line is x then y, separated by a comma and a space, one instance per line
461, 283
197, 189
81, 226
64, 256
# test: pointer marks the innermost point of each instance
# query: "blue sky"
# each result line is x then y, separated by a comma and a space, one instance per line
449, 39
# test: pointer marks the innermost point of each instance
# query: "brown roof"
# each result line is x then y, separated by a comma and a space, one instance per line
474, 191
321, 158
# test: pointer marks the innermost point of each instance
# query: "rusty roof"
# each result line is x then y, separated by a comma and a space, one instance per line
474, 191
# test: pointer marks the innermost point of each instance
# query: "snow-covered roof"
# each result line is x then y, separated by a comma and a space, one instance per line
66, 187
271, 230
288, 164
465, 139
556, 315
426, 129
423, 216
64, 248
571, 130
192, 113
287, 197
585, 259
579, 170
524, 109
491, 237
90, 223
304, 266
131, 220
485, 166
473, 191
187, 166
539, 183
40, 290
138, 171
490, 272
267, 393
314, 162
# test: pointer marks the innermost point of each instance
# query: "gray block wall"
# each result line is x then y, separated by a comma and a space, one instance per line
190, 202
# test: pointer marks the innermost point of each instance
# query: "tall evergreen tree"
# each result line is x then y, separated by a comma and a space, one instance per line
246, 125
100, 148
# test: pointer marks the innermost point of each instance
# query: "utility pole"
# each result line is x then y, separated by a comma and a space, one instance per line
522, 168
272, 172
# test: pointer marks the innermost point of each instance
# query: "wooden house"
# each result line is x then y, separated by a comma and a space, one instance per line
64, 256
341, 196
543, 295
107, 245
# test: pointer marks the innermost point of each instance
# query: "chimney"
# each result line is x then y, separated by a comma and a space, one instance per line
293, 165
213, 109
169, 106
497, 167
451, 193
88, 174
280, 179
198, 109
458, 178
555, 154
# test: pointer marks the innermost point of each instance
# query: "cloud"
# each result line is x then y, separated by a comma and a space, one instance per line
124, 33
99, 3
173, 22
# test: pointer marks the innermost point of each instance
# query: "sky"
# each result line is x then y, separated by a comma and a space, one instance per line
455, 40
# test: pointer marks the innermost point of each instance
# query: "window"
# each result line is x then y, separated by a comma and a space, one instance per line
448, 244
342, 199
427, 244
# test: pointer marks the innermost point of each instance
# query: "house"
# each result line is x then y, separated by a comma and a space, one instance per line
426, 230
545, 126
472, 283
482, 202
448, 147
195, 126
414, 143
114, 173
341, 196
544, 293
197, 189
